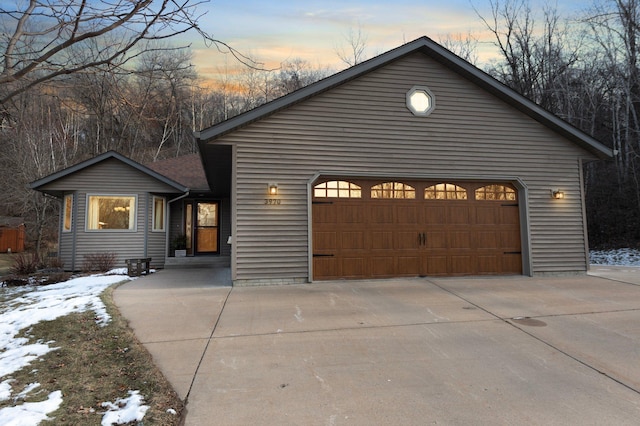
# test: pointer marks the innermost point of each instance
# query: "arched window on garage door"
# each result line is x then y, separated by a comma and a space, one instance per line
495, 193
337, 189
393, 190
445, 191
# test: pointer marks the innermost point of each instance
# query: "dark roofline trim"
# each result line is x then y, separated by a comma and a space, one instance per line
442, 55
102, 157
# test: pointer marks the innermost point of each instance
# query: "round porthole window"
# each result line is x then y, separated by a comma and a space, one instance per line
420, 101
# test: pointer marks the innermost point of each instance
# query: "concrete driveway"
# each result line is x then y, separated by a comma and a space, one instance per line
513, 350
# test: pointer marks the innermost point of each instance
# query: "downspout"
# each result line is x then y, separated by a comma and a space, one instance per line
166, 236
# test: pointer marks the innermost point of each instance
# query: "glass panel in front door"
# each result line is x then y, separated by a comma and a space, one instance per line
188, 227
207, 228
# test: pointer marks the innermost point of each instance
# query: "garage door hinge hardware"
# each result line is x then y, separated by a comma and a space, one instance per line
509, 205
322, 202
512, 252
322, 255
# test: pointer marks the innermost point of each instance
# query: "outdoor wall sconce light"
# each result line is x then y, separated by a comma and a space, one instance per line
273, 189
557, 194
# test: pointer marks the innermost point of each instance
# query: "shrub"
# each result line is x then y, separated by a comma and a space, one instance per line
100, 262
25, 264
55, 263
54, 278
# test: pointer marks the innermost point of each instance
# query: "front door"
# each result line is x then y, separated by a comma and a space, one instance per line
206, 229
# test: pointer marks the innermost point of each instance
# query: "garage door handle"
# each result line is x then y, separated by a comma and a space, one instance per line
422, 238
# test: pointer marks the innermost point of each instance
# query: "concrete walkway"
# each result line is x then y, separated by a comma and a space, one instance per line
508, 350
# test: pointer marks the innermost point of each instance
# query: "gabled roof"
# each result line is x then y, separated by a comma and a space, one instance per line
37, 185
432, 49
186, 170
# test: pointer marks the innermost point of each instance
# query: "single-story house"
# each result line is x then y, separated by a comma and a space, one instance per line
413, 163
111, 203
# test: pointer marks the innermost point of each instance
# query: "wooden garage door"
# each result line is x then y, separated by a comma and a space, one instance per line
381, 229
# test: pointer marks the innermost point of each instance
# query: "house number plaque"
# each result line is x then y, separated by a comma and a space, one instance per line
272, 201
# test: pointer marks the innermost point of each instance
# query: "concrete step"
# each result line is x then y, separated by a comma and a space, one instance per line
197, 262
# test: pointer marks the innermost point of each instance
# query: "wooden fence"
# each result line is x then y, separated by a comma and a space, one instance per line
12, 239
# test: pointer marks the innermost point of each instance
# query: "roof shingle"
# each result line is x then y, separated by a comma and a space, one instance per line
187, 170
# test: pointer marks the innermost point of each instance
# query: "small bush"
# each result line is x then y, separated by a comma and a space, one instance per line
53, 278
25, 264
99, 262
55, 263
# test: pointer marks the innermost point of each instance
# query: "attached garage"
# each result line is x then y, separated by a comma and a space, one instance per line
413, 163
383, 228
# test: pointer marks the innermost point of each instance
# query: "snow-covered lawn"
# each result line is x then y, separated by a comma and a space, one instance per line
620, 257
21, 308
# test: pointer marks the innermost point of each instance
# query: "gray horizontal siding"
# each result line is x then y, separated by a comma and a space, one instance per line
364, 127
125, 244
111, 177
225, 227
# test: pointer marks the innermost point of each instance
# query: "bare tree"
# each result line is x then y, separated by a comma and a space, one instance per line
534, 56
44, 40
39, 145
464, 46
296, 74
355, 51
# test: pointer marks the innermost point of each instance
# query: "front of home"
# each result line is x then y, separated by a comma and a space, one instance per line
111, 204
414, 163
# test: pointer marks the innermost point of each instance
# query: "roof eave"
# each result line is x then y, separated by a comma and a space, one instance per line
522, 103
36, 185
437, 52
304, 93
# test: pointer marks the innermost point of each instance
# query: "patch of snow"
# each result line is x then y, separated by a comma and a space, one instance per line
45, 304
172, 411
25, 307
18, 354
31, 413
5, 390
616, 257
124, 410
29, 388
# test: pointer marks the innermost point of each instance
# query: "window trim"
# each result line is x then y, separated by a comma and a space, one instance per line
411, 107
132, 227
506, 192
67, 214
457, 189
392, 190
163, 226
353, 189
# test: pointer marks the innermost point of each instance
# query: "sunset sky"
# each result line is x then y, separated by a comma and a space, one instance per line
278, 30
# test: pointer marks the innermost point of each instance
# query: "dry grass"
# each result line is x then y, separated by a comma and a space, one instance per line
6, 261
95, 364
